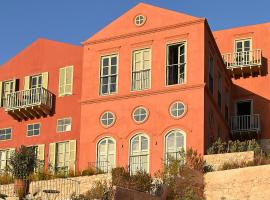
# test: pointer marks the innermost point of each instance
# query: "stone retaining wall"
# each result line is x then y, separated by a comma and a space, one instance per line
250, 183
218, 160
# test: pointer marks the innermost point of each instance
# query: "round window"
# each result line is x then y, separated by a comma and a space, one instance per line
139, 20
177, 109
140, 114
107, 119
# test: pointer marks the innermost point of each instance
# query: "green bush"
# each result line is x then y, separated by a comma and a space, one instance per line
88, 172
220, 146
5, 178
98, 191
141, 181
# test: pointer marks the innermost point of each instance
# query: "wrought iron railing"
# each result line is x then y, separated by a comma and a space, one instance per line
243, 59
138, 163
141, 79
27, 98
245, 123
101, 166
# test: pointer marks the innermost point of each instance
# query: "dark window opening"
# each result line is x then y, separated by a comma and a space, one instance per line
244, 108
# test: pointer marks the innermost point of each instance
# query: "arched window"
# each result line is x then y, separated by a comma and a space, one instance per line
106, 151
139, 153
175, 142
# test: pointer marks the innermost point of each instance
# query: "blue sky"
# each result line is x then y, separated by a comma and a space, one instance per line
73, 21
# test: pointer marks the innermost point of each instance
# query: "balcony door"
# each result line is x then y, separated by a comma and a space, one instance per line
242, 50
244, 111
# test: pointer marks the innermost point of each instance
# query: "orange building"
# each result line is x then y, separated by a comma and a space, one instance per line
136, 92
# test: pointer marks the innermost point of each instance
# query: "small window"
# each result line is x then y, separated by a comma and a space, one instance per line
219, 90
177, 109
139, 20
211, 75
8, 87
176, 63
107, 119
33, 129
140, 114
36, 81
64, 125
5, 134
65, 81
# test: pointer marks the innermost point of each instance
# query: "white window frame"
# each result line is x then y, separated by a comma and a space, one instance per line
37, 77
140, 152
173, 131
106, 125
139, 20
183, 42
6, 160
57, 167
242, 40
4, 129
63, 125
65, 84
109, 166
109, 75
143, 70
140, 114
171, 106
27, 129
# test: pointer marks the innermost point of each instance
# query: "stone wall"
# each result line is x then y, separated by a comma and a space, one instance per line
218, 160
250, 183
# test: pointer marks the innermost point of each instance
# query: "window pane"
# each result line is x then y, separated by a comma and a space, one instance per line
113, 60
105, 62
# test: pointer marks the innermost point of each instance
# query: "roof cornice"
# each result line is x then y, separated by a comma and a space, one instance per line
128, 35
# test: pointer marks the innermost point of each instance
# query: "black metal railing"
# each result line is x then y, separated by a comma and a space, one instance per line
138, 163
245, 123
141, 79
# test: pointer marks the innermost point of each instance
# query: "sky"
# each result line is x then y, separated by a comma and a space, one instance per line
73, 21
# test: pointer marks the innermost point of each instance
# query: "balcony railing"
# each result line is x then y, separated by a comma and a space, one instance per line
35, 102
138, 163
141, 80
245, 123
243, 59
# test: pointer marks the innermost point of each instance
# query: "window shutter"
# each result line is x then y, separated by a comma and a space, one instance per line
62, 81
40, 153
72, 157
14, 85
69, 80
52, 157
1, 92
27, 83
45, 79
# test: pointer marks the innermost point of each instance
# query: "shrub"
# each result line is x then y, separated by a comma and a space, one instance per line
88, 172
120, 177
5, 178
98, 191
141, 181
234, 146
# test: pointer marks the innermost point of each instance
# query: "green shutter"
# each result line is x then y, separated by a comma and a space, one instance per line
27, 83
52, 153
45, 79
72, 157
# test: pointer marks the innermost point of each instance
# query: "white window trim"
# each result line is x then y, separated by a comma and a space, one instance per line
182, 115
146, 118
242, 39
33, 135
110, 125
100, 71
149, 148
166, 61
11, 134
70, 118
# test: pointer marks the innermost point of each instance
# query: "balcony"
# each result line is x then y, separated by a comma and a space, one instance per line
244, 62
29, 104
245, 124
141, 79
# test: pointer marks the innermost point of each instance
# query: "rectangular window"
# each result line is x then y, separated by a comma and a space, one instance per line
176, 63
211, 75
108, 75
4, 159
5, 134
62, 157
7, 87
64, 125
226, 107
33, 129
65, 81
219, 90
36, 81
243, 51
141, 69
